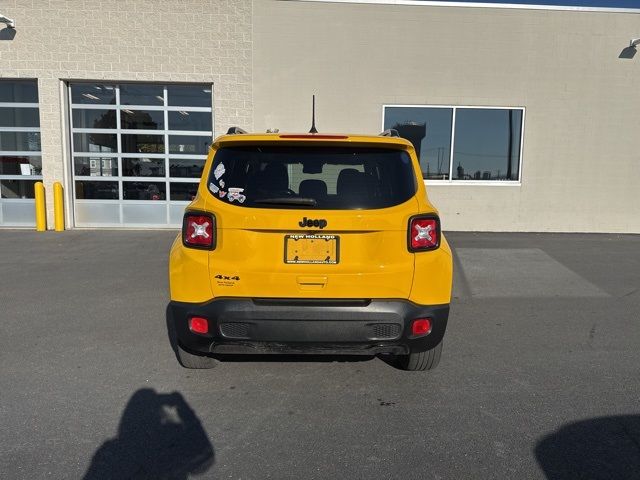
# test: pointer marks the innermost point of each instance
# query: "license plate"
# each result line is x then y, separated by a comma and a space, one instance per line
311, 249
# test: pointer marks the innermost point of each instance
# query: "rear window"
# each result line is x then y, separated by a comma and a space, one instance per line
334, 178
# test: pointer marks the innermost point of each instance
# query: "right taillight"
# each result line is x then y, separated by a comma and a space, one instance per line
421, 326
424, 233
199, 230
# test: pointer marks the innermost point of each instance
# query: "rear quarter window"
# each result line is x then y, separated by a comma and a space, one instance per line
333, 178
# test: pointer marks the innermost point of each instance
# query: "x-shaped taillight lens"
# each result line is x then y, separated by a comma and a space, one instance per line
424, 233
198, 230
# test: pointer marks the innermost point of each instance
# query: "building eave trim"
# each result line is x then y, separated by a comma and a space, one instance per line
516, 6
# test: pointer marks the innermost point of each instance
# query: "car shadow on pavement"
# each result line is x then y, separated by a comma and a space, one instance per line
597, 448
159, 436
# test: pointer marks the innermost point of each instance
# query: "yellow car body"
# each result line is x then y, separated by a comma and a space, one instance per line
249, 266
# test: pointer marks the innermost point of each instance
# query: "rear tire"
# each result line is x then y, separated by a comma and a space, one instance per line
419, 361
193, 361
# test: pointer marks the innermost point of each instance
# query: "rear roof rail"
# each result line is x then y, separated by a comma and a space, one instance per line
235, 131
390, 132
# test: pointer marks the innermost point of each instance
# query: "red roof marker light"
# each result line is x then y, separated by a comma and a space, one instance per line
314, 136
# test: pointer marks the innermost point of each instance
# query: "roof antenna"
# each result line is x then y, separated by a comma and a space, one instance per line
313, 116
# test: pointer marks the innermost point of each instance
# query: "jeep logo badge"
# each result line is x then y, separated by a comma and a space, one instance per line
307, 222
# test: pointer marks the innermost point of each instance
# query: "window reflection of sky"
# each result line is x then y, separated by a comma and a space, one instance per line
435, 148
487, 144
486, 147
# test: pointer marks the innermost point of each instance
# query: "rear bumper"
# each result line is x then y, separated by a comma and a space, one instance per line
251, 325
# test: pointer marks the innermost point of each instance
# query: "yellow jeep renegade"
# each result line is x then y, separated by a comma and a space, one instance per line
309, 243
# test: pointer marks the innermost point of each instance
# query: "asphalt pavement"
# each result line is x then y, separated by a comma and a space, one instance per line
539, 378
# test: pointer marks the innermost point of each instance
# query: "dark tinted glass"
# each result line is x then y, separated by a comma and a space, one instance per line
20, 91
142, 120
143, 143
189, 95
141, 94
95, 166
429, 129
17, 188
84, 118
93, 93
92, 190
197, 121
95, 142
143, 167
183, 191
19, 117
20, 165
144, 190
487, 144
189, 144
20, 141
185, 168
308, 177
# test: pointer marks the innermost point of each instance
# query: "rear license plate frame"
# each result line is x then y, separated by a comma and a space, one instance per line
309, 236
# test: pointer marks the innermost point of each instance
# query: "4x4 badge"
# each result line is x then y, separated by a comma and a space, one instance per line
307, 222
225, 277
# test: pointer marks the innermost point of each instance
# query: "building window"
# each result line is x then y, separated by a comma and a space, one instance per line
138, 151
462, 144
20, 151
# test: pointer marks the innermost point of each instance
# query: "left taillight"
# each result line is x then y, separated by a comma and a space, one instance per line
424, 233
199, 325
199, 230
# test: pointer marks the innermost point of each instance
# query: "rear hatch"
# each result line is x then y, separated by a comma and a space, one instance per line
311, 220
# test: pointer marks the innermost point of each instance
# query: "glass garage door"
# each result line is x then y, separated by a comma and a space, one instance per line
138, 151
20, 156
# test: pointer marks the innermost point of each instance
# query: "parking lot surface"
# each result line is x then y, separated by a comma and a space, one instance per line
540, 374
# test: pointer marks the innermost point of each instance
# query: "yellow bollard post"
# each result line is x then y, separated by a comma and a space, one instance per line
41, 209
58, 207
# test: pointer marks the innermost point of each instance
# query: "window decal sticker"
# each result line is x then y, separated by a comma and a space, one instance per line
213, 187
236, 194
219, 171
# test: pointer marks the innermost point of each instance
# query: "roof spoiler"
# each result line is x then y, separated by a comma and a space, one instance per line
391, 132
235, 131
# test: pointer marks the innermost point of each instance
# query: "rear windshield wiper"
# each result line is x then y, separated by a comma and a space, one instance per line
307, 202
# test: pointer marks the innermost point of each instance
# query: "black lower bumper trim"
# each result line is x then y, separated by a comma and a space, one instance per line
306, 348
316, 326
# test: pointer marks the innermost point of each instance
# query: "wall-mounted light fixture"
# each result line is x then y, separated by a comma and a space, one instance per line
10, 22
630, 51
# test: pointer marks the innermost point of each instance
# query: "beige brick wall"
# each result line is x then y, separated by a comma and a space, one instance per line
207, 41
581, 163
